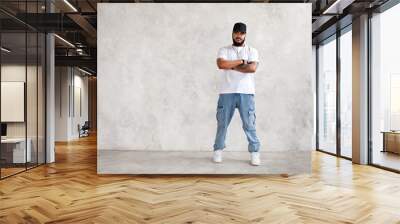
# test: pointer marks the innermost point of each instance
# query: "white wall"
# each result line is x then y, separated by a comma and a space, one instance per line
67, 116
15, 72
157, 77
79, 117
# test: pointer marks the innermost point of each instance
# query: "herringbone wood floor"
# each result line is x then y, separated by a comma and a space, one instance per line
70, 191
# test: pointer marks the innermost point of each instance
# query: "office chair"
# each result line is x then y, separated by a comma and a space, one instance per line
84, 130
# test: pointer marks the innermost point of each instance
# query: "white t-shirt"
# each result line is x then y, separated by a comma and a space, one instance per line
233, 81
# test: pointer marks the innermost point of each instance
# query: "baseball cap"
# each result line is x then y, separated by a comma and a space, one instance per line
239, 27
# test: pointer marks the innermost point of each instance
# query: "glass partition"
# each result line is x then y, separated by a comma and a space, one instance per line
31, 100
22, 77
13, 95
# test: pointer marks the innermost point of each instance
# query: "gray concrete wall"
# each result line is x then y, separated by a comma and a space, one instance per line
157, 75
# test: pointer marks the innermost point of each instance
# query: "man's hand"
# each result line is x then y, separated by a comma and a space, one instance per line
247, 67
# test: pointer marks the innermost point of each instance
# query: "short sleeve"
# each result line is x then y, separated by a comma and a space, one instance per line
253, 55
222, 53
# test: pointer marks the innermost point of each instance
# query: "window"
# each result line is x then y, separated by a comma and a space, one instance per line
327, 96
346, 74
385, 88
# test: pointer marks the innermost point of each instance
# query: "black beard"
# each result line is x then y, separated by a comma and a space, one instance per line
237, 44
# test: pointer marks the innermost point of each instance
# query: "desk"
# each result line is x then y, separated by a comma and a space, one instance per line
17, 150
391, 141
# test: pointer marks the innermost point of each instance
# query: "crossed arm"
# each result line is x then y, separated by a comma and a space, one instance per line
237, 65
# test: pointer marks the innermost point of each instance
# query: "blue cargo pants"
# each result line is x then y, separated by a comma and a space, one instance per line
227, 103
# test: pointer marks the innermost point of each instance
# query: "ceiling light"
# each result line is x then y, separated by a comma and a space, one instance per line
70, 5
84, 71
64, 40
5, 50
335, 7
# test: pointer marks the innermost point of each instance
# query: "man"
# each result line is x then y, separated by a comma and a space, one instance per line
238, 63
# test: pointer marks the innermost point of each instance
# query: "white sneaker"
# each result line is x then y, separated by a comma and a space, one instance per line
217, 157
255, 159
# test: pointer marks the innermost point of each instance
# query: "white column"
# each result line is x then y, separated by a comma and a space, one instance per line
360, 90
50, 92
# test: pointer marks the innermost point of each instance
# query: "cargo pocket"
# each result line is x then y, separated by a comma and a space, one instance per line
252, 119
220, 114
